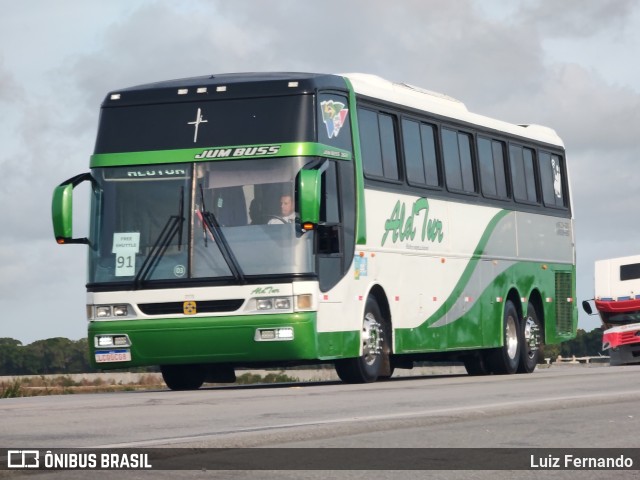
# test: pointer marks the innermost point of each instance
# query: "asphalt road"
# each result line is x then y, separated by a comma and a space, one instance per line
560, 407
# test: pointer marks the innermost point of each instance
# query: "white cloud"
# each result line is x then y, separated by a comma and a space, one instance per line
577, 18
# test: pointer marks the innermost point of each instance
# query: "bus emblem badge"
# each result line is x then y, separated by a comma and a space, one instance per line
189, 308
333, 115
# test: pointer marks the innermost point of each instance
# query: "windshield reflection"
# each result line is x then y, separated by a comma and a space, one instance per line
218, 220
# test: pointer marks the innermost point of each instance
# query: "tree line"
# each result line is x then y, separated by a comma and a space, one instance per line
43, 357
586, 344
62, 356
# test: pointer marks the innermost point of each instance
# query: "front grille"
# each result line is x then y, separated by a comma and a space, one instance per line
629, 337
564, 308
207, 306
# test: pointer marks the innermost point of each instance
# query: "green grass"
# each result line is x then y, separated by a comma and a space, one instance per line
65, 385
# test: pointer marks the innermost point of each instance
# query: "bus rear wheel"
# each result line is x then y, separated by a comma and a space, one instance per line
367, 367
505, 360
183, 377
531, 339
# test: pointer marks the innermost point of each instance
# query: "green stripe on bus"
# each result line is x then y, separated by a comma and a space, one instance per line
469, 269
481, 325
205, 154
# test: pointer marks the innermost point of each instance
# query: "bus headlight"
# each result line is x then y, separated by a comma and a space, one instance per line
117, 340
273, 334
271, 303
106, 312
282, 303
264, 304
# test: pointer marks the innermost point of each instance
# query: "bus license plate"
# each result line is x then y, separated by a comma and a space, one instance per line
106, 356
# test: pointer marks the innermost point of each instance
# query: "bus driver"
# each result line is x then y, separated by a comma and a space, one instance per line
287, 212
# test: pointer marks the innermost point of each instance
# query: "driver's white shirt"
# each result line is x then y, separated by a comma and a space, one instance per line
289, 219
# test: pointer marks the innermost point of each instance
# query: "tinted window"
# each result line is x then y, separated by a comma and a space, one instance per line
378, 144
629, 272
552, 180
389, 152
498, 164
370, 143
458, 165
529, 175
428, 135
451, 159
523, 174
420, 153
329, 208
487, 173
206, 124
466, 165
491, 160
413, 152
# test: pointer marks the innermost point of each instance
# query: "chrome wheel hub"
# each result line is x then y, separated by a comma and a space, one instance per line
531, 336
511, 338
371, 339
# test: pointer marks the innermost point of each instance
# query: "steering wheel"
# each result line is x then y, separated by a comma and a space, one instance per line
276, 217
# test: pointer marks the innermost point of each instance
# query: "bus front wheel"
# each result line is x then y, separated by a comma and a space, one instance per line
183, 377
367, 367
505, 359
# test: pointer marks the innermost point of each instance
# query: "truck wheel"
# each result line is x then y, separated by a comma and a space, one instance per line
367, 367
475, 364
505, 359
531, 339
183, 377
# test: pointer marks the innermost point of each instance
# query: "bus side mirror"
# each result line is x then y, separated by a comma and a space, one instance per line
586, 306
62, 209
309, 188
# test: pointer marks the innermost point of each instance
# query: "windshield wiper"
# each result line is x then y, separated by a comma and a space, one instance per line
210, 222
171, 228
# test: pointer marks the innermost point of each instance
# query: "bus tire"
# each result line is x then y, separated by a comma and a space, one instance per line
183, 377
505, 360
531, 340
475, 364
367, 367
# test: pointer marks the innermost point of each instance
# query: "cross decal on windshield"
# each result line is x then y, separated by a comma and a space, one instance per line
199, 119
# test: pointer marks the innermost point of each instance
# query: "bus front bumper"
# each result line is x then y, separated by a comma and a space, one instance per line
203, 340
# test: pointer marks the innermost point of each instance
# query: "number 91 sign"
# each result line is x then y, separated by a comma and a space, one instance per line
125, 247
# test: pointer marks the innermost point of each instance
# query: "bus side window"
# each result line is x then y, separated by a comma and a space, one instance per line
370, 143
458, 165
378, 144
492, 171
421, 165
552, 180
523, 174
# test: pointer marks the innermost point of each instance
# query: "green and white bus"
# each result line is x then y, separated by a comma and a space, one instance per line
419, 231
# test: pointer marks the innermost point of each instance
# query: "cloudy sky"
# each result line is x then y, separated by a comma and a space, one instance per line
568, 64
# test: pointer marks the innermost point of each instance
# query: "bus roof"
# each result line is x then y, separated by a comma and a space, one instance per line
443, 105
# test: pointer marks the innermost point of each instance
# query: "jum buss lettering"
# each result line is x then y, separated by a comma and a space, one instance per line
239, 152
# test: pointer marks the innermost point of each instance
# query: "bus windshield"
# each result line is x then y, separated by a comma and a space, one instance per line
224, 220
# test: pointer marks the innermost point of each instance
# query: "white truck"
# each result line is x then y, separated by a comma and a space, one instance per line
617, 300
